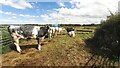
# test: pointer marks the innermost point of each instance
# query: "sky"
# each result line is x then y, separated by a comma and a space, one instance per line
56, 11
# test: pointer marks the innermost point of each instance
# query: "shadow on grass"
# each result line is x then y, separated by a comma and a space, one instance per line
101, 56
29, 46
12, 47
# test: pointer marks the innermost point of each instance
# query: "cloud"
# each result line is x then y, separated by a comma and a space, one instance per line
15, 21
28, 16
22, 15
84, 11
61, 4
14, 17
8, 13
1, 11
9, 21
112, 5
18, 18
46, 18
19, 4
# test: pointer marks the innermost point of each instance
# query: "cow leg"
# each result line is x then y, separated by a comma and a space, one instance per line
55, 32
70, 33
50, 35
16, 38
60, 32
73, 33
17, 45
43, 37
39, 46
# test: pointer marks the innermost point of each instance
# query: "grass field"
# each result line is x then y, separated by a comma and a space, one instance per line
58, 51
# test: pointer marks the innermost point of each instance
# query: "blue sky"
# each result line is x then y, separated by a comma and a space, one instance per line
69, 12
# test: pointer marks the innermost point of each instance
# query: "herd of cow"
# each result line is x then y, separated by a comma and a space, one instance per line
37, 32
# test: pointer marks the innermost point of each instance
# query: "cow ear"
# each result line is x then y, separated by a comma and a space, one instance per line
48, 27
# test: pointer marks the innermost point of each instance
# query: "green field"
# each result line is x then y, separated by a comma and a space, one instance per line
61, 50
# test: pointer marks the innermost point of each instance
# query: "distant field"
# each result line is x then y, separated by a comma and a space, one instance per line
59, 51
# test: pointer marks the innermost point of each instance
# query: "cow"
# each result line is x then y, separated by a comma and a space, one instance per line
61, 29
70, 32
55, 30
26, 32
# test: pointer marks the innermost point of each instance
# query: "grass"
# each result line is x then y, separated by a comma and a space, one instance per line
5, 41
58, 51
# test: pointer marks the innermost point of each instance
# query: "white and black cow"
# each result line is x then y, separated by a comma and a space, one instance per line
70, 32
27, 31
55, 30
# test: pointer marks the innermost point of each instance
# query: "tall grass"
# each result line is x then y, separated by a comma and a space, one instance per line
6, 41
